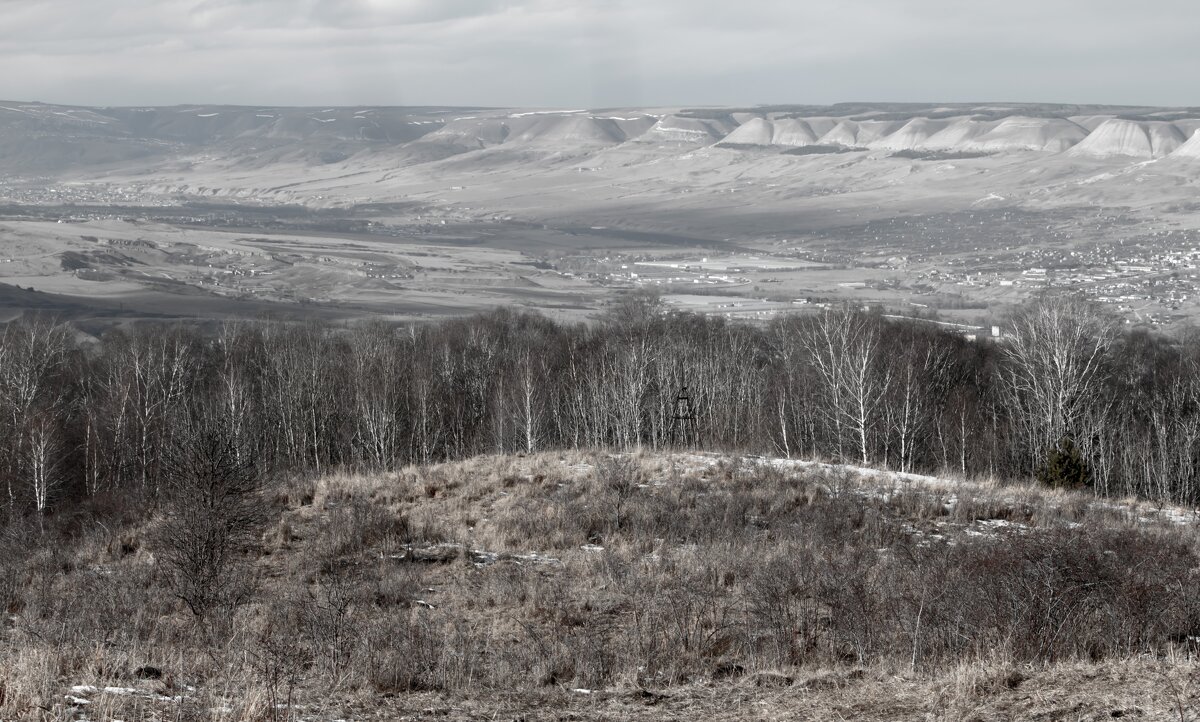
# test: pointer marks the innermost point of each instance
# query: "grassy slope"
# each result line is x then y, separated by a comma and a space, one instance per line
579, 585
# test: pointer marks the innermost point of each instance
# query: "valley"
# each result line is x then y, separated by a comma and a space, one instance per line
419, 213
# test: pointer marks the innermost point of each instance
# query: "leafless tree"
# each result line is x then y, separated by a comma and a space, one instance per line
150, 372
43, 450
530, 391
921, 370
213, 511
1056, 368
32, 356
379, 381
843, 346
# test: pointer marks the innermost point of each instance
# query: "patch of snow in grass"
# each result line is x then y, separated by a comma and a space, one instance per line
120, 690
441, 553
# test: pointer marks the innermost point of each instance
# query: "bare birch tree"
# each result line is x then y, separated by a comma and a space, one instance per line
843, 347
1056, 368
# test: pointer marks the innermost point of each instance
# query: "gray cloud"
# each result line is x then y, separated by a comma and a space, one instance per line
595, 52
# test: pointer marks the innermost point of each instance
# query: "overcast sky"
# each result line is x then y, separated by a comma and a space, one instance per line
593, 53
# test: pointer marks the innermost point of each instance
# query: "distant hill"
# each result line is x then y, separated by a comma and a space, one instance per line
37, 138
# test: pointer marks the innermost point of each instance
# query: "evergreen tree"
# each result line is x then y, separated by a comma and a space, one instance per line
1065, 467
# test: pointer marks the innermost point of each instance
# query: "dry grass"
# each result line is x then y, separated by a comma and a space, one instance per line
631, 586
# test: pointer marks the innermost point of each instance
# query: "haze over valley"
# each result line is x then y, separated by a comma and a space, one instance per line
426, 212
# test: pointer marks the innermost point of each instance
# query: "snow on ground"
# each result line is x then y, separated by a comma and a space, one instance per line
989, 197
480, 558
82, 695
861, 471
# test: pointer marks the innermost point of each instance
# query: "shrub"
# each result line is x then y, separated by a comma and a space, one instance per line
213, 511
1065, 467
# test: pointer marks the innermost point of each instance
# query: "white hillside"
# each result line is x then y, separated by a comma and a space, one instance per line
789, 132
957, 134
1117, 137
1090, 122
859, 133
844, 133
1052, 135
793, 132
756, 131
913, 134
1166, 138
821, 124
1189, 150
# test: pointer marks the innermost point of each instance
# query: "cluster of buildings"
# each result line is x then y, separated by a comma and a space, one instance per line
27, 193
1137, 279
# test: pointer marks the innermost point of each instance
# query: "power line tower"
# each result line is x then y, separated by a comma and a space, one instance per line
684, 431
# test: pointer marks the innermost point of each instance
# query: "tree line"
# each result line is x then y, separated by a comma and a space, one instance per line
1068, 394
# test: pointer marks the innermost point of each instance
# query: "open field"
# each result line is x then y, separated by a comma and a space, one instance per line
157, 270
645, 586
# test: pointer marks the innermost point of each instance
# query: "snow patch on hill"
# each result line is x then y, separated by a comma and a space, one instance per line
691, 131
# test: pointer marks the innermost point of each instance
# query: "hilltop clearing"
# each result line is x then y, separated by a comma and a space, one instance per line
594, 585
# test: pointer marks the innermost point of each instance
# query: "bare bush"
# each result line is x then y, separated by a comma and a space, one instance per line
214, 511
